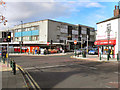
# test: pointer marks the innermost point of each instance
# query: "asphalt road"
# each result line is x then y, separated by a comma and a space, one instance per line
65, 72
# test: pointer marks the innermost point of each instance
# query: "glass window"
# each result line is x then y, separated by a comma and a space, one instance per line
36, 28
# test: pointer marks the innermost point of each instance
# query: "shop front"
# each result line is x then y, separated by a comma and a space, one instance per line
106, 47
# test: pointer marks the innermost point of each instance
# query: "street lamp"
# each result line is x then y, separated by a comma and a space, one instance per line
21, 37
108, 33
108, 37
87, 44
81, 42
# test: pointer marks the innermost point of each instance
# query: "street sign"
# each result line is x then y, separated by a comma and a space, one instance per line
47, 43
75, 42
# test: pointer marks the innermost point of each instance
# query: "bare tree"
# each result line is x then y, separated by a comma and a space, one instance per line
2, 18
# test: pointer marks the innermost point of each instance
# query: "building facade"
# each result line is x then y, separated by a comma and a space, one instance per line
108, 35
40, 33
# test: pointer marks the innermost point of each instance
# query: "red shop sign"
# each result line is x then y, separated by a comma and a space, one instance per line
105, 42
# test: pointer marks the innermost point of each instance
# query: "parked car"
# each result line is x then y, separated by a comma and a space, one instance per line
93, 51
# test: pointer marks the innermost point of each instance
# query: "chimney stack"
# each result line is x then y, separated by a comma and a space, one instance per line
116, 11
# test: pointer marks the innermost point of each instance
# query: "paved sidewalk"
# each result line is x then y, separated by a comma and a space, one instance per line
9, 80
54, 54
93, 58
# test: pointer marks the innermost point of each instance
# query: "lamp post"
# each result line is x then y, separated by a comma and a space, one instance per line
81, 42
108, 37
8, 52
87, 44
21, 37
108, 32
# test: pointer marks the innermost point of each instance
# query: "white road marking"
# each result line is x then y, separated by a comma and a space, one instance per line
59, 66
116, 73
108, 87
93, 68
45, 67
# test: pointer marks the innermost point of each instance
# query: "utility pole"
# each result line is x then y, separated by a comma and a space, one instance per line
81, 41
108, 37
108, 33
21, 37
8, 53
87, 44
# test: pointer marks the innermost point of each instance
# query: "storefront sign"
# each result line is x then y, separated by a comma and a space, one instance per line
105, 42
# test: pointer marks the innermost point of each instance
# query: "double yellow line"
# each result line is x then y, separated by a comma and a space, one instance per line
32, 83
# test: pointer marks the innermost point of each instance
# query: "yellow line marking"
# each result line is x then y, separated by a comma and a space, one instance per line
30, 77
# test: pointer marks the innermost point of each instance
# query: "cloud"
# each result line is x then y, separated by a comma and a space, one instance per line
34, 11
27, 11
94, 4
61, 0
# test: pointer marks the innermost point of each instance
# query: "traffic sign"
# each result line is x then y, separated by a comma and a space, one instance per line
75, 42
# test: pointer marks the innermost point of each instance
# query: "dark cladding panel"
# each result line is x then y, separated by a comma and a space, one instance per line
79, 33
70, 32
88, 33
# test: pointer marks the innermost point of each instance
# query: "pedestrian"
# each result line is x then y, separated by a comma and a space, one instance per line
109, 51
61, 50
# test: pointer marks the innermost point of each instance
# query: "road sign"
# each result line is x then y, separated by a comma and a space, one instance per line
47, 43
75, 42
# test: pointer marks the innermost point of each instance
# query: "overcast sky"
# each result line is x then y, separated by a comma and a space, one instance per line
75, 12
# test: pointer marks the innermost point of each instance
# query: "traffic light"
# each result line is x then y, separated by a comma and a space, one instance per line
6, 36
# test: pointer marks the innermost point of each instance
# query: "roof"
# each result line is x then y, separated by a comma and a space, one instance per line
58, 22
115, 17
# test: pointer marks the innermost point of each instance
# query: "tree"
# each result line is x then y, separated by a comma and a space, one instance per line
2, 18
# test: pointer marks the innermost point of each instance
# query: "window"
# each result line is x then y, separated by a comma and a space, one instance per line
58, 27
36, 28
25, 38
35, 38
32, 28
16, 30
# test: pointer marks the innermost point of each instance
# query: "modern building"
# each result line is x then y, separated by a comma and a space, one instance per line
41, 33
108, 34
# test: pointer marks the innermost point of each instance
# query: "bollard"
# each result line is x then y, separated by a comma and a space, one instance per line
14, 68
108, 57
100, 56
117, 57
11, 63
84, 54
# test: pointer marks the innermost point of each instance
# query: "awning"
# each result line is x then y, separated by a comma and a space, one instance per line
105, 42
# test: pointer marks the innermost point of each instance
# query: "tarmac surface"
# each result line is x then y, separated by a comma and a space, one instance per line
10, 81
65, 72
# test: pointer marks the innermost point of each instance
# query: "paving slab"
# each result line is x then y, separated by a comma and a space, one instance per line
9, 80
